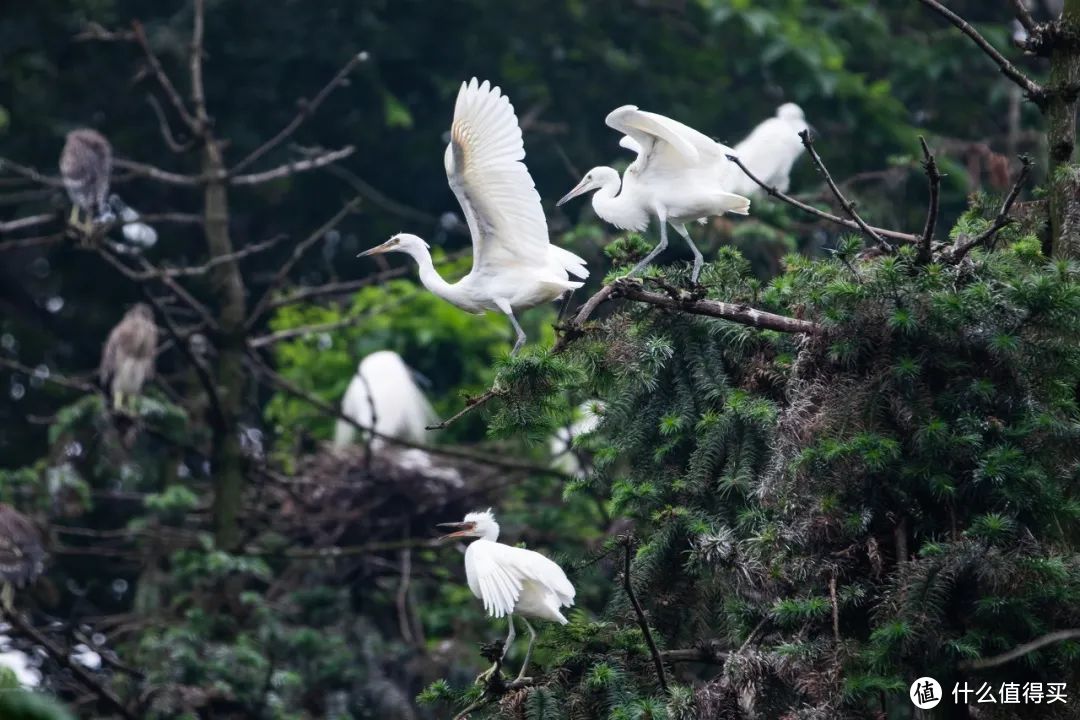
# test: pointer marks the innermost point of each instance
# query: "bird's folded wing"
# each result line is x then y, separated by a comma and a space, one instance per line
497, 194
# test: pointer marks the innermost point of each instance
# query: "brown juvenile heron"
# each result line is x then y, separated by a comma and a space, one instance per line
127, 360
22, 554
85, 166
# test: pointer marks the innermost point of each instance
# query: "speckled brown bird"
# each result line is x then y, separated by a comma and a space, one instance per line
127, 360
85, 166
22, 554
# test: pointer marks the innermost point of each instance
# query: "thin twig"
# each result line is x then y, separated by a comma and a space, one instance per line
30, 173
38, 241
297, 255
307, 109
810, 209
165, 177
292, 168
1024, 15
1021, 650
64, 660
51, 377
303, 330
470, 405
163, 78
1002, 219
336, 288
394, 207
849, 207
26, 222
934, 176
642, 621
163, 125
206, 267
1032, 89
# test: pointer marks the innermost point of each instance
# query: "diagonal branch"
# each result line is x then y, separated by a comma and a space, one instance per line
957, 254
294, 167
209, 265
810, 209
26, 222
1024, 15
642, 621
163, 125
307, 109
934, 176
298, 253
849, 207
30, 173
1032, 89
163, 78
55, 379
1021, 650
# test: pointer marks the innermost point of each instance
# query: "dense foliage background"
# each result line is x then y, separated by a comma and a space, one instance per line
825, 517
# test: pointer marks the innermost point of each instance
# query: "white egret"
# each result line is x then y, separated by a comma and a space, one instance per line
384, 396
770, 151
515, 267
510, 580
586, 419
678, 176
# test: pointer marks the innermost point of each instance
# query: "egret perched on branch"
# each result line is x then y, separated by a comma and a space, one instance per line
515, 267
678, 177
384, 396
510, 580
770, 151
127, 360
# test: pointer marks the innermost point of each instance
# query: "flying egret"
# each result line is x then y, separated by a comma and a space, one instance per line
510, 580
678, 177
85, 166
127, 360
383, 396
770, 151
515, 267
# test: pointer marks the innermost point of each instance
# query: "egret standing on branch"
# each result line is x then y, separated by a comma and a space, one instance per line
770, 151
515, 267
678, 177
510, 580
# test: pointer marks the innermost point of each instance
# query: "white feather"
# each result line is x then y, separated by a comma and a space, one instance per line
770, 151
383, 395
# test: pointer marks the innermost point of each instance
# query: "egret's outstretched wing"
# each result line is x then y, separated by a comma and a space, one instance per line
485, 169
496, 573
630, 144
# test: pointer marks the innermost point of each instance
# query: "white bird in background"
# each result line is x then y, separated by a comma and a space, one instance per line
137, 233
678, 176
515, 267
510, 580
770, 151
384, 396
563, 457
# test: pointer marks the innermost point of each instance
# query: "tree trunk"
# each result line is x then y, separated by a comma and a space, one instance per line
1060, 112
227, 462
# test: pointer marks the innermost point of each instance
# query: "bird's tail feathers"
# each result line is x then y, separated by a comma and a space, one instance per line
571, 262
736, 204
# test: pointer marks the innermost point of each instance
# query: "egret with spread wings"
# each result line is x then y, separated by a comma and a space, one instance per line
515, 267
678, 177
511, 580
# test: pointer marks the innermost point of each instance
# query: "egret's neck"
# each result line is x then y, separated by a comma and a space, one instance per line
619, 210
491, 532
429, 276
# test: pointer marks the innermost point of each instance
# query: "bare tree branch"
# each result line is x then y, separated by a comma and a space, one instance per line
470, 405
376, 198
957, 254
892, 234
21, 243
26, 222
306, 110
163, 126
292, 168
198, 94
155, 173
849, 207
1033, 90
643, 623
1023, 15
934, 176
166, 84
51, 377
1021, 650
206, 267
30, 173
298, 253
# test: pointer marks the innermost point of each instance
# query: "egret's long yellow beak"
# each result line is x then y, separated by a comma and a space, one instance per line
581, 188
464, 528
378, 249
